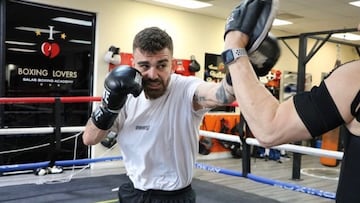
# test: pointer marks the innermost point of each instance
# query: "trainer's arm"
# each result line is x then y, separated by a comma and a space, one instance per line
269, 121
273, 123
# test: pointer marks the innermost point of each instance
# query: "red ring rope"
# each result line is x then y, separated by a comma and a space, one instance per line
78, 99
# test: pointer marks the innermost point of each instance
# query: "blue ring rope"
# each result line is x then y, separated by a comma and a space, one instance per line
283, 185
276, 183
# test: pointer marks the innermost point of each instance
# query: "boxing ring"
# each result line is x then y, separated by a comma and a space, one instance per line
77, 130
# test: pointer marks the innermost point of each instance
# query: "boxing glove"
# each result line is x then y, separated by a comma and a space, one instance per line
112, 56
120, 82
194, 66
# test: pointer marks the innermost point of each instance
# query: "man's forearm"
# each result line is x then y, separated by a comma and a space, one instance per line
93, 135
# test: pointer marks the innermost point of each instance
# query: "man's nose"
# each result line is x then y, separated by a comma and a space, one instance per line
151, 73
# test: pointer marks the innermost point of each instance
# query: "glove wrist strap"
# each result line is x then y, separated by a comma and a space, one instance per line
103, 118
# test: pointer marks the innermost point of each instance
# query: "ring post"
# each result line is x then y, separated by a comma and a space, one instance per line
56, 136
243, 129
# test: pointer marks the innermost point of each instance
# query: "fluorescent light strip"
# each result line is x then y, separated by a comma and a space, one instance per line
355, 3
22, 50
192, 4
33, 29
347, 36
79, 41
73, 21
20, 43
278, 22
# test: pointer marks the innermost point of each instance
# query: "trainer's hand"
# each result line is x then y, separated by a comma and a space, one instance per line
253, 18
235, 39
120, 82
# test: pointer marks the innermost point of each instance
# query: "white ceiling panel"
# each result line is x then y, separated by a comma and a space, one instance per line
315, 15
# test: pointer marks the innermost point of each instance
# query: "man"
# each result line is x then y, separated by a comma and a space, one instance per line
157, 128
335, 102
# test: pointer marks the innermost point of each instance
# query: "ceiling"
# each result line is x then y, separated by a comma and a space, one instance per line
308, 16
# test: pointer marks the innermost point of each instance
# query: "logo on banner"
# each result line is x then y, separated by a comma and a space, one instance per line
50, 49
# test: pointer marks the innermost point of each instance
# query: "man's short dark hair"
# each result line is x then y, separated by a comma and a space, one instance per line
152, 40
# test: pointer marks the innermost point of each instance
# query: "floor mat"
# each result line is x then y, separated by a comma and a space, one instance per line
99, 190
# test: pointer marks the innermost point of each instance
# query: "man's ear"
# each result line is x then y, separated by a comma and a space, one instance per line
173, 65
132, 62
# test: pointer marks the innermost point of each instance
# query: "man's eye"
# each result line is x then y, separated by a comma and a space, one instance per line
162, 66
144, 66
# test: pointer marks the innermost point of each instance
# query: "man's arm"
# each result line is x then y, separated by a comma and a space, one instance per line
120, 82
211, 95
92, 134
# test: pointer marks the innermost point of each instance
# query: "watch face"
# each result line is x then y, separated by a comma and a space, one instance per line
227, 56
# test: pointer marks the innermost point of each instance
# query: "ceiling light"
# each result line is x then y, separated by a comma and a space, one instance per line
347, 36
72, 21
278, 22
355, 3
185, 3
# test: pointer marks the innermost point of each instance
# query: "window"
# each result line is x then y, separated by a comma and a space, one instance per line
49, 52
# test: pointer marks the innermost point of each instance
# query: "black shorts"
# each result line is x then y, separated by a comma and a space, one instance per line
128, 194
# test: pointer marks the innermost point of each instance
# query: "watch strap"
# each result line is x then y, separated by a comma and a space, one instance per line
230, 55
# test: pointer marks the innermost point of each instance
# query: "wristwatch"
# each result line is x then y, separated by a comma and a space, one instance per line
230, 55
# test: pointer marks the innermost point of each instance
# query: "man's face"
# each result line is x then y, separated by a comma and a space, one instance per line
156, 70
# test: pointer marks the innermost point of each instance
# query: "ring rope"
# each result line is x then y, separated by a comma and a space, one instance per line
37, 146
251, 141
288, 147
302, 149
276, 183
73, 172
214, 169
39, 130
24, 100
86, 162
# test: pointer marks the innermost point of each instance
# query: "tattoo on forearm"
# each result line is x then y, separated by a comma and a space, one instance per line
222, 95
229, 89
198, 98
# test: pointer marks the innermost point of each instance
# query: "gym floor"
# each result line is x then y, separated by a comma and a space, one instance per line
325, 180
